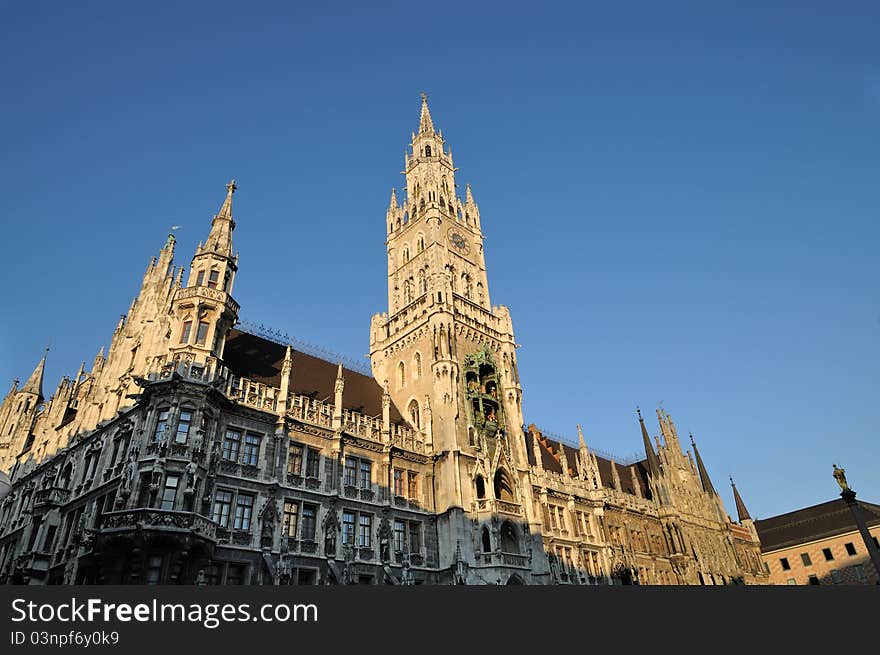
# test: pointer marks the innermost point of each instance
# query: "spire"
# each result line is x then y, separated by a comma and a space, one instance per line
34, 383
393, 203
581, 442
741, 510
426, 125
220, 238
704, 476
653, 463
468, 196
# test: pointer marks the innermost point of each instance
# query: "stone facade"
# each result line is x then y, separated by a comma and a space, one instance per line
199, 452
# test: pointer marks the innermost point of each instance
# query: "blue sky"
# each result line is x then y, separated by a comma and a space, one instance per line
680, 201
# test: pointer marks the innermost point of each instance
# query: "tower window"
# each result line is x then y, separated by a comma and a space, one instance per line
184, 334
161, 424
427, 151
481, 487
212, 278
200, 278
202, 334
183, 426
401, 374
169, 492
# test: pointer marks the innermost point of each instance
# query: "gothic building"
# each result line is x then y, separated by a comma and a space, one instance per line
195, 451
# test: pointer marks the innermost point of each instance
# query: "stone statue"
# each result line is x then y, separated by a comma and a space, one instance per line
840, 476
384, 540
190, 471
330, 525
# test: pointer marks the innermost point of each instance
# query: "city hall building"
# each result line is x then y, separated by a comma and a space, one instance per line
196, 450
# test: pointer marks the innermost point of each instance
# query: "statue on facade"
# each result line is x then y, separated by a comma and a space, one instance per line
840, 476
384, 540
331, 527
190, 472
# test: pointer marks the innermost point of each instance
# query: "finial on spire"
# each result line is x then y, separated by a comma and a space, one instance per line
393, 203
231, 186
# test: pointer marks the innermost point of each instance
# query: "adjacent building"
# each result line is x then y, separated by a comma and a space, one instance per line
199, 451
819, 545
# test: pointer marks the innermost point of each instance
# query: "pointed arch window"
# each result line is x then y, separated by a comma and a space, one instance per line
486, 541
417, 366
401, 375
503, 487
423, 282
481, 487
405, 254
414, 416
420, 244
407, 292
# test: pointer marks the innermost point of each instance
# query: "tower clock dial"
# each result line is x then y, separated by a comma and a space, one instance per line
459, 242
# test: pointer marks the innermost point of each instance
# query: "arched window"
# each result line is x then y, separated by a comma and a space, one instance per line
417, 366
442, 202
509, 539
480, 297
420, 244
401, 375
481, 486
503, 487
458, 214
423, 282
66, 475
414, 417
407, 292
467, 218
487, 543
427, 151
405, 254
406, 217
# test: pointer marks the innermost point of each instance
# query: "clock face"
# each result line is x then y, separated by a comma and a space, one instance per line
459, 242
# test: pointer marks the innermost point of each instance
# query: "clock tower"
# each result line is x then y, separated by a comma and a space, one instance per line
447, 357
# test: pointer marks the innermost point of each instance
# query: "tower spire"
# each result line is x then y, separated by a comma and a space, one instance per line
220, 238
426, 125
704, 475
653, 463
741, 511
34, 383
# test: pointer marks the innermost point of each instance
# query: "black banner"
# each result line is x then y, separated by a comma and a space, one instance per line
369, 619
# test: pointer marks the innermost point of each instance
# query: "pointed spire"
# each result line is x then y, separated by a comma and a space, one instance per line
426, 125
581, 442
615, 476
468, 195
220, 238
704, 475
34, 383
393, 203
653, 463
741, 510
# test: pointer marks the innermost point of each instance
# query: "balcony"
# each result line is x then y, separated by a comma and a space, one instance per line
52, 497
498, 507
159, 520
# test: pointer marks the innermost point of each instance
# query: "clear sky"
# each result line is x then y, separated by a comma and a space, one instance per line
680, 199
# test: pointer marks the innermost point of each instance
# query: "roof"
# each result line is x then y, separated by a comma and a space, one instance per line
258, 359
550, 461
812, 523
